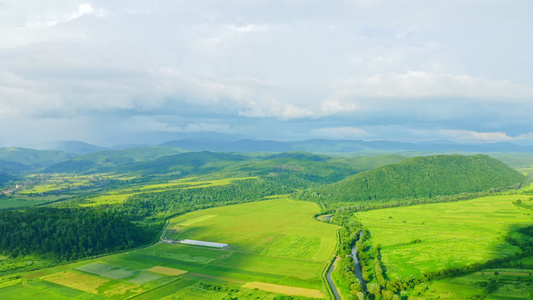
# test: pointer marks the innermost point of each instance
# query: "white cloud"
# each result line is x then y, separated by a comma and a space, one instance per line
469, 136
345, 63
249, 28
423, 85
459, 135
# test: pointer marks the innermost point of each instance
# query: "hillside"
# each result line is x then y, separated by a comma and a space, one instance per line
22, 159
70, 146
185, 163
365, 163
104, 161
5, 177
423, 177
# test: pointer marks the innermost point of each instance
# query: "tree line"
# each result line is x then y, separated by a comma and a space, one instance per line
164, 204
66, 234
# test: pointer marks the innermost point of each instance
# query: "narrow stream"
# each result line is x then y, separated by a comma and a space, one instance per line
358, 271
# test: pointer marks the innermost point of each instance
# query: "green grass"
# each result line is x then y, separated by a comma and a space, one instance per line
462, 287
280, 227
107, 199
165, 290
59, 291
184, 253
28, 292
107, 270
17, 203
144, 277
452, 234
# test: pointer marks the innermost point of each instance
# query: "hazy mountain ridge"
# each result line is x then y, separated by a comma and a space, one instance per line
340, 146
109, 159
23, 159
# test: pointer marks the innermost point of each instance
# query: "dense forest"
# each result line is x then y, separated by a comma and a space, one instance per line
421, 177
67, 233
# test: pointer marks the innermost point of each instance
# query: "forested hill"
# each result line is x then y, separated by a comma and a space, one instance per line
422, 177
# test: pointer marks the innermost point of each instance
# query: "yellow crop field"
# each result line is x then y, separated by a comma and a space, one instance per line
122, 288
73, 279
167, 271
107, 199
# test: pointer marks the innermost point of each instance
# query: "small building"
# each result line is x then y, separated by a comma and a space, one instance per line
203, 243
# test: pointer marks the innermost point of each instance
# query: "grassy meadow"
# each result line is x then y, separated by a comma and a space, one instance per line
432, 237
281, 227
513, 284
275, 247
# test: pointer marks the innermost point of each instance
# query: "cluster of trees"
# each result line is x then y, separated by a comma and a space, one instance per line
522, 204
344, 275
172, 202
67, 234
373, 268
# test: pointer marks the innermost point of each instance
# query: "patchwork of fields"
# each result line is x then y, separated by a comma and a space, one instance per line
275, 247
60, 186
432, 237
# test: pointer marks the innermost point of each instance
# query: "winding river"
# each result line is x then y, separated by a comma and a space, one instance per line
358, 271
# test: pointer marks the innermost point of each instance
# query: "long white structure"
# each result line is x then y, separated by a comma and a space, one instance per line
203, 243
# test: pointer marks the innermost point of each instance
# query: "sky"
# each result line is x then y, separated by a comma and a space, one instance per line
137, 72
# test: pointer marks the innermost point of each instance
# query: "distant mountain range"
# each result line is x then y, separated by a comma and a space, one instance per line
82, 157
339, 146
224, 144
70, 146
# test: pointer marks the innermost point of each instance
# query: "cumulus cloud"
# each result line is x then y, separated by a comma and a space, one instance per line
337, 66
423, 85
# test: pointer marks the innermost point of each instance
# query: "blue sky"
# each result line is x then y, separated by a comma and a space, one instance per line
116, 72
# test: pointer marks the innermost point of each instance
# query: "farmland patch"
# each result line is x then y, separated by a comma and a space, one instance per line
144, 277
72, 279
282, 289
279, 227
167, 271
185, 253
195, 220
448, 235
107, 270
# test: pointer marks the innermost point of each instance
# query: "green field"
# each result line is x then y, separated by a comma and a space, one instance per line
23, 202
513, 284
282, 227
275, 246
449, 235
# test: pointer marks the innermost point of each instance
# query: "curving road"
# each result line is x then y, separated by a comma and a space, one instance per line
336, 294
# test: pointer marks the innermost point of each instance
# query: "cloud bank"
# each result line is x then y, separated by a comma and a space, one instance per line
108, 72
